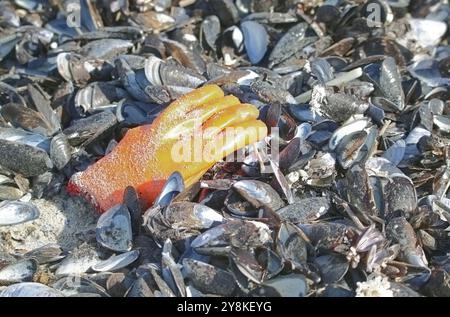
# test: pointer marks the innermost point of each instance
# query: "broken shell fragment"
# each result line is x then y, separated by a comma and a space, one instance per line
116, 262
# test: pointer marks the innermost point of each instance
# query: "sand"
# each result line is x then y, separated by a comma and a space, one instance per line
67, 221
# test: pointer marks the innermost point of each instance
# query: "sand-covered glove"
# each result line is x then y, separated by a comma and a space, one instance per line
189, 136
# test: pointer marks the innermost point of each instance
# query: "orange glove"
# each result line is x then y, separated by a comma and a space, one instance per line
189, 136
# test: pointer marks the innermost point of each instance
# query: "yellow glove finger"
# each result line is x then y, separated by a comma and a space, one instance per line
231, 116
218, 146
196, 177
194, 120
235, 137
177, 110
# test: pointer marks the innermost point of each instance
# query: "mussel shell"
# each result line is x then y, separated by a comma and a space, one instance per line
211, 30
139, 288
427, 32
41, 101
336, 290
400, 231
332, 267
303, 113
78, 262
86, 130
381, 167
339, 106
24, 137
259, 194
321, 170
400, 194
73, 285
10, 193
256, 40
271, 261
16, 212
234, 233
191, 215
368, 238
106, 48
438, 284
26, 118
62, 61
164, 289
185, 56
171, 271
30, 289
132, 113
60, 151
171, 76
292, 244
305, 210
22, 271
130, 81
215, 199
117, 284
98, 96
292, 41
173, 186
291, 285
319, 138
391, 84
327, 14
116, 262
248, 265
226, 10
395, 152
158, 21
349, 150
159, 94
131, 200
343, 131
148, 249
46, 254
403, 290
208, 278
28, 161
327, 235
239, 207
442, 122
359, 190
114, 229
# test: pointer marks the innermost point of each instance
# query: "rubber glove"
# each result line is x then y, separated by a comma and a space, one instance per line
189, 136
